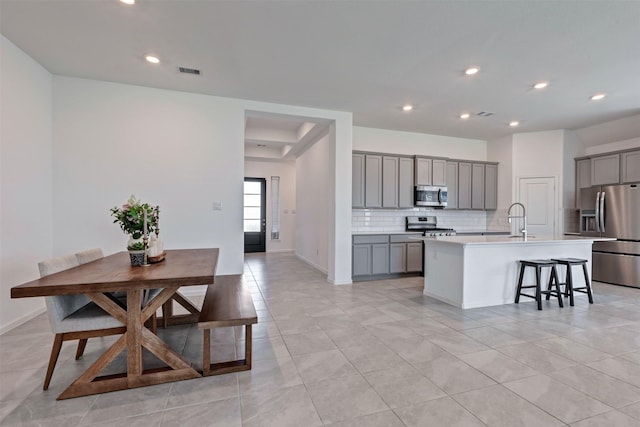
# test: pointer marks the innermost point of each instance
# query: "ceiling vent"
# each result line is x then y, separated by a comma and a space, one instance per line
484, 114
189, 71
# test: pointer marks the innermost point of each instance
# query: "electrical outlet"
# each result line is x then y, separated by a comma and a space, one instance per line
217, 205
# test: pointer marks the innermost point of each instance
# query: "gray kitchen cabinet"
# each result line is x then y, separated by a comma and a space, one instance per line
405, 182
370, 254
491, 186
464, 185
357, 182
605, 169
361, 260
373, 181
431, 171
380, 258
452, 185
477, 186
423, 171
379, 255
390, 182
439, 172
630, 165
583, 177
397, 257
414, 257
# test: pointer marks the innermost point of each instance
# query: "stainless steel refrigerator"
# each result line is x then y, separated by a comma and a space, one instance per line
613, 211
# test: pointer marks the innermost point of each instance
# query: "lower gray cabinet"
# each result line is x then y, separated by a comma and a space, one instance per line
380, 258
397, 258
361, 260
377, 255
370, 255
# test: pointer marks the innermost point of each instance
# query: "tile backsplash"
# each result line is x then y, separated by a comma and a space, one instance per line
393, 220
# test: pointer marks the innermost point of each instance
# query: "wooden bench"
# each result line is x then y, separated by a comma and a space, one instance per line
226, 303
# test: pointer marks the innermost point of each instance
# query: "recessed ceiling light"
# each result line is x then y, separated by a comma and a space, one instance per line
464, 116
152, 59
128, 1
471, 71
407, 107
598, 97
540, 85
514, 123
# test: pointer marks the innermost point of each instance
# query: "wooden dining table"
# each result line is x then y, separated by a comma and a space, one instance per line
114, 273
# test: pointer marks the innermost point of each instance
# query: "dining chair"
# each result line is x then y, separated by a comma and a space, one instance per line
73, 317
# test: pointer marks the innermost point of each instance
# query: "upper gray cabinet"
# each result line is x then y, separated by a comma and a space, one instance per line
583, 177
464, 185
373, 181
381, 181
477, 186
423, 171
630, 162
452, 185
431, 171
491, 186
439, 172
390, 169
357, 181
405, 182
387, 181
605, 169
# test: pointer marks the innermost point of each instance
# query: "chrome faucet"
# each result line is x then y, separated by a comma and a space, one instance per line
524, 217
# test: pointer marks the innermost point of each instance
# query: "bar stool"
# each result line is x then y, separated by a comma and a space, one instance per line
539, 264
568, 281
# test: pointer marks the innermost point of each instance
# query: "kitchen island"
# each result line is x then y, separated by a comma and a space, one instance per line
481, 271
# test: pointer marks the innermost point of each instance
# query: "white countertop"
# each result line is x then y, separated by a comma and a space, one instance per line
508, 240
381, 233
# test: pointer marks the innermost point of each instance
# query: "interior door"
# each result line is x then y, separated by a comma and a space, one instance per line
255, 211
538, 195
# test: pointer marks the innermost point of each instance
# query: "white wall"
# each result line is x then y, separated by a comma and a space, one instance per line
609, 132
313, 211
25, 178
178, 150
287, 173
540, 154
410, 143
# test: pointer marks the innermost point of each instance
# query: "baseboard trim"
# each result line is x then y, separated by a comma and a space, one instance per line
23, 319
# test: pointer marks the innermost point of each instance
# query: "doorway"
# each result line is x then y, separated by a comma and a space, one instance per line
255, 214
539, 197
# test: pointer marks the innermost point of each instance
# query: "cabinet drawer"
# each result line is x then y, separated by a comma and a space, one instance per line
370, 239
403, 238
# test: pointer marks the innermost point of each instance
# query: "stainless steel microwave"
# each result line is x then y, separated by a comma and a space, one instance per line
430, 196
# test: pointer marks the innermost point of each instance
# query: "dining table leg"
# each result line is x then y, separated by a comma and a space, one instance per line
133, 340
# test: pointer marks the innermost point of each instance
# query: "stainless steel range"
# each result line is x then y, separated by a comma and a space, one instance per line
428, 225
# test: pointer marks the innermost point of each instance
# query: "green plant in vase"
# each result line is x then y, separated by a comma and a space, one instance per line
135, 218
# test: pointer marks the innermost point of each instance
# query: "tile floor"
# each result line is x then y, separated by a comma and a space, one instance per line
370, 354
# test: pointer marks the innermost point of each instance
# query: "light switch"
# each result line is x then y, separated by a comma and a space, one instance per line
217, 205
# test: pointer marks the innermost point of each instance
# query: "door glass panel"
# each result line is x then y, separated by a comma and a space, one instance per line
251, 213
253, 206
251, 225
252, 187
252, 200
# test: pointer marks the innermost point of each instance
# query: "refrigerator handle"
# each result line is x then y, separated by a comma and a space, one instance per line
602, 212
598, 211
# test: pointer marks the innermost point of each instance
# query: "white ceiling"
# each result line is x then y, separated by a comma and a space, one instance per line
367, 57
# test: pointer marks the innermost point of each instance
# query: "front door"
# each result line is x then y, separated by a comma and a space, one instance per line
538, 195
255, 221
